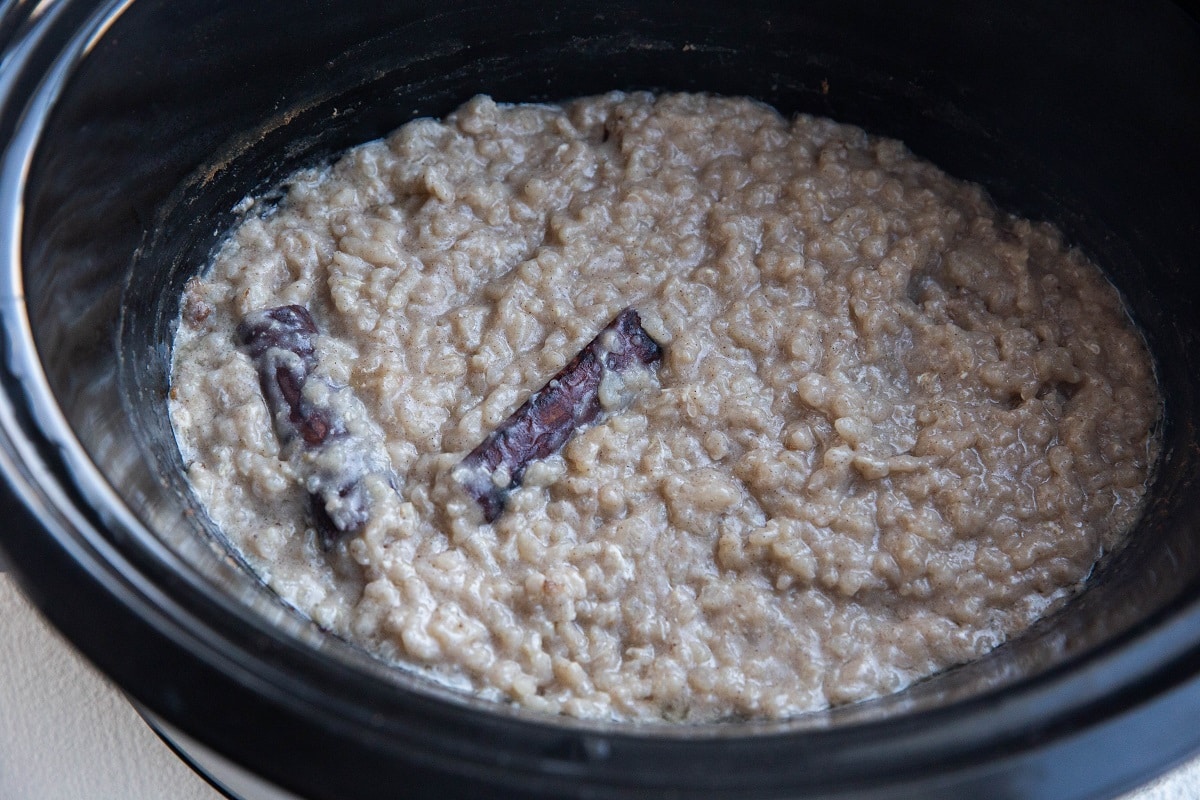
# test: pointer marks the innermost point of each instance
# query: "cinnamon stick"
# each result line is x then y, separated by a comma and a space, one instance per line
544, 422
280, 340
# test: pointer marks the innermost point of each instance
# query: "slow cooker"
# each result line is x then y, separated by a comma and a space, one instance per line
130, 130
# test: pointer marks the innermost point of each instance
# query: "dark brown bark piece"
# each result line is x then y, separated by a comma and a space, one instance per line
280, 340
551, 415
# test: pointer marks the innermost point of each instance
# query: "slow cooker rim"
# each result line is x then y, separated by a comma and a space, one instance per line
32, 474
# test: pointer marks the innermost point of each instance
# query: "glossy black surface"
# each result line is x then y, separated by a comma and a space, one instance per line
131, 131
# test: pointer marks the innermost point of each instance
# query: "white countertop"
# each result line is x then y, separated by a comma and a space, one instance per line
67, 734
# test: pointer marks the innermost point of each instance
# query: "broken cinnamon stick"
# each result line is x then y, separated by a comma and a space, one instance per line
280, 341
573, 398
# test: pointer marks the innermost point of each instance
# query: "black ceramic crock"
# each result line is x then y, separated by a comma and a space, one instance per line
129, 131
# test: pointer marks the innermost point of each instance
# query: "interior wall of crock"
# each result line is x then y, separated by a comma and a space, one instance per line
148, 151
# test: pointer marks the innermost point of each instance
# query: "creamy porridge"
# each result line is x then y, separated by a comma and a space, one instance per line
885, 429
